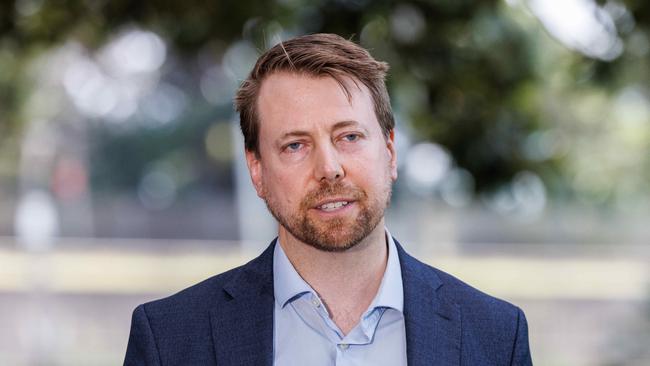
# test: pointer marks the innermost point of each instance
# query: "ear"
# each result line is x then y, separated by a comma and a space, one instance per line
392, 152
255, 170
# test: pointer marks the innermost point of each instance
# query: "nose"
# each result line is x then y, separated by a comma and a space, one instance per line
328, 166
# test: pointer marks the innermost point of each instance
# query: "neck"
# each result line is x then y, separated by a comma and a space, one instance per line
346, 281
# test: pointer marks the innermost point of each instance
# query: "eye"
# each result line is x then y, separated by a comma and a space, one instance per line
294, 146
351, 137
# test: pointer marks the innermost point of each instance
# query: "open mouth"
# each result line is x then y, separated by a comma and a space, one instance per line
333, 206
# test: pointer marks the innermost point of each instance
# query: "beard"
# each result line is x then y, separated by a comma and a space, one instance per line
336, 234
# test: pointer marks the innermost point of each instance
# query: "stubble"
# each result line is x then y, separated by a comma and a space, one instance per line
336, 234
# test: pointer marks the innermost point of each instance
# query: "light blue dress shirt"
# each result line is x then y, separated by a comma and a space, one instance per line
304, 333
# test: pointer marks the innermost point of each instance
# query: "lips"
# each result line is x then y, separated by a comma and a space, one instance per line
332, 198
333, 203
331, 206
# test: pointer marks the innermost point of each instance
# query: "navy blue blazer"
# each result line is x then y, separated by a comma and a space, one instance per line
228, 320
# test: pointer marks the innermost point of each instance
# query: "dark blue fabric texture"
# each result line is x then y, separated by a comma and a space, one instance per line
228, 320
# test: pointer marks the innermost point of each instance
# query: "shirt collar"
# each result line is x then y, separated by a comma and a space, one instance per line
288, 285
391, 292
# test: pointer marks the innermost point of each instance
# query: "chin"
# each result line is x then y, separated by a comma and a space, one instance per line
339, 237
333, 246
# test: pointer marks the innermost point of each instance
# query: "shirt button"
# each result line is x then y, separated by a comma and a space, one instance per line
344, 346
315, 302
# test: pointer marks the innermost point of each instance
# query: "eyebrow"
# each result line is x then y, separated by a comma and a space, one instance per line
343, 124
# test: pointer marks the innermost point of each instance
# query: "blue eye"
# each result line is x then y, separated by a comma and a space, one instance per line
294, 146
351, 137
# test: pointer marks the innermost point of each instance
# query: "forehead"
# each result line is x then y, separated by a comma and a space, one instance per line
290, 100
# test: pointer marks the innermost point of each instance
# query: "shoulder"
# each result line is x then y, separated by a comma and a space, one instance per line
493, 331
197, 297
176, 325
473, 303
200, 298
177, 329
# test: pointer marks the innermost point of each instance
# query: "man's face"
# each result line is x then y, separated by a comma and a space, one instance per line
325, 169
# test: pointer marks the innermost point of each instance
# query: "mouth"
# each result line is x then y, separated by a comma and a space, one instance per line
333, 205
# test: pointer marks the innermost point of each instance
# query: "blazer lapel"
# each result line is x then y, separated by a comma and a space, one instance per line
242, 328
433, 326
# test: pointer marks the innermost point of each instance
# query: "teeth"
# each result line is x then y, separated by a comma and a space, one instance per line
333, 205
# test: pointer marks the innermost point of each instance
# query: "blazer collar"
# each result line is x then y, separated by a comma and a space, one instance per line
242, 327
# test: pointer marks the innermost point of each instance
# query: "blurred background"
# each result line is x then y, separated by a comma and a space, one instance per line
523, 135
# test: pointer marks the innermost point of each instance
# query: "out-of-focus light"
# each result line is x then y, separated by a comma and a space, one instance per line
274, 34
501, 201
524, 199
374, 32
130, 64
239, 60
28, 8
632, 112
125, 105
92, 92
92, 86
426, 166
157, 189
217, 87
218, 142
621, 15
165, 104
36, 221
543, 145
530, 193
407, 23
457, 189
581, 25
136, 51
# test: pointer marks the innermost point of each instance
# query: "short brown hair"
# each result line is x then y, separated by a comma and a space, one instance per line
317, 55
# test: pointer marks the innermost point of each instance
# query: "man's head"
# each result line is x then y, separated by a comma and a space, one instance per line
318, 132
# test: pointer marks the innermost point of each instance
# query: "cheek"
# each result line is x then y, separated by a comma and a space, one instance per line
376, 165
375, 173
285, 188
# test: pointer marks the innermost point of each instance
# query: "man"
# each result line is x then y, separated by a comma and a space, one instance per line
334, 288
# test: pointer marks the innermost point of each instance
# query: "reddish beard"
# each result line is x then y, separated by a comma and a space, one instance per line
336, 234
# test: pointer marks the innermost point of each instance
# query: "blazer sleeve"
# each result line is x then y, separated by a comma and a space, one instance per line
141, 349
521, 351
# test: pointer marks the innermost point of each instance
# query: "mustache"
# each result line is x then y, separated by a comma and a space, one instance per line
327, 189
